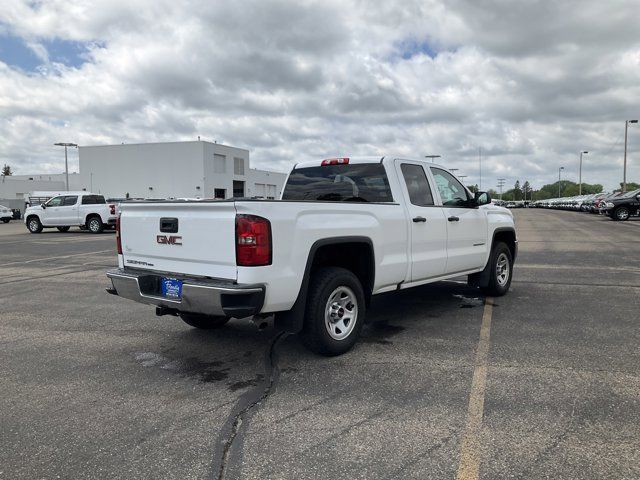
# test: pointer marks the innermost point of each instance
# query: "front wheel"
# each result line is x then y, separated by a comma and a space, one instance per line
63, 229
500, 270
204, 322
6, 220
34, 225
335, 311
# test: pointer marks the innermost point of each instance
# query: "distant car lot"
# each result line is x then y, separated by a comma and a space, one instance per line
93, 387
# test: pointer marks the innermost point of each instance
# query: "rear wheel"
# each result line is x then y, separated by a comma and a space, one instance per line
94, 225
621, 213
204, 322
34, 225
500, 269
6, 220
63, 229
335, 311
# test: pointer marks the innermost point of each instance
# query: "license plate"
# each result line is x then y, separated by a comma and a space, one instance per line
171, 288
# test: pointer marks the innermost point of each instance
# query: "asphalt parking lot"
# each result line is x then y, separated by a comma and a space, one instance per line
541, 383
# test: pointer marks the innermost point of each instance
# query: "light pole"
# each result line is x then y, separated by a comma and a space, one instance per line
580, 185
66, 162
559, 170
432, 157
624, 174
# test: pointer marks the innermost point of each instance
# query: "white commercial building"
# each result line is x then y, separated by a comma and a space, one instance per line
195, 169
19, 187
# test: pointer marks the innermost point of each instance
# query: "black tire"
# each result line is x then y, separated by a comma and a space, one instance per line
34, 225
6, 220
621, 214
498, 284
94, 224
204, 322
63, 229
343, 286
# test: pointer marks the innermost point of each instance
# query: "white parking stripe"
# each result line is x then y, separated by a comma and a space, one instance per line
58, 257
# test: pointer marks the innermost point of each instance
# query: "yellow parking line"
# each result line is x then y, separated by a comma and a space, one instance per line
471, 450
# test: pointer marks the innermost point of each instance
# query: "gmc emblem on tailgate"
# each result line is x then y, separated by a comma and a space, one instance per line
172, 240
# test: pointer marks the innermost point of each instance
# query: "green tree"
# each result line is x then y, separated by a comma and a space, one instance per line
517, 191
631, 186
473, 188
6, 170
526, 190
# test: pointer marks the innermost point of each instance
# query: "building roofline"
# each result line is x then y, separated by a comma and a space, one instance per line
160, 143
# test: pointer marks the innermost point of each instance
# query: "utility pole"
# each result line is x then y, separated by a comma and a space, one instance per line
501, 184
559, 170
480, 162
580, 181
624, 174
66, 161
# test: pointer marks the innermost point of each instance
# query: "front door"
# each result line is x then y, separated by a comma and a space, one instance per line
50, 215
467, 242
427, 223
68, 211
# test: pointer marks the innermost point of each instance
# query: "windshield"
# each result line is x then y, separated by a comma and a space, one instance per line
340, 183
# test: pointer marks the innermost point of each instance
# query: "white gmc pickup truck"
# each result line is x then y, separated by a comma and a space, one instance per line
345, 229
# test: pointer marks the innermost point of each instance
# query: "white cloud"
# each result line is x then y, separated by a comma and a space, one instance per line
531, 83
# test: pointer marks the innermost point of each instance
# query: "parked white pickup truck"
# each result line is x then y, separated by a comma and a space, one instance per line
344, 230
81, 209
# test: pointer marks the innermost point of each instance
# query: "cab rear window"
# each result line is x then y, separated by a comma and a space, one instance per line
93, 199
339, 183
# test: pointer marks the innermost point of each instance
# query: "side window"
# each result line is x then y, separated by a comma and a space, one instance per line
417, 185
238, 166
88, 200
55, 202
68, 201
452, 192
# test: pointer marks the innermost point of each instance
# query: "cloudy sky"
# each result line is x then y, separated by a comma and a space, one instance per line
530, 82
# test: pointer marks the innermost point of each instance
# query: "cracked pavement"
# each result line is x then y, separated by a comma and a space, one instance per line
93, 386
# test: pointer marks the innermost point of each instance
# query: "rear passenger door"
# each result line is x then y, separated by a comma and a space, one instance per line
427, 223
466, 224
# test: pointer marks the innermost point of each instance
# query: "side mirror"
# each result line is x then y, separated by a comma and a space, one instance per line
43, 206
482, 198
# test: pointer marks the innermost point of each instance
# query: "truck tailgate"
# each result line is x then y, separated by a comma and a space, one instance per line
202, 243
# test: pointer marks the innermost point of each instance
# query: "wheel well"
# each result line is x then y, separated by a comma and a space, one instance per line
33, 215
90, 216
356, 257
508, 237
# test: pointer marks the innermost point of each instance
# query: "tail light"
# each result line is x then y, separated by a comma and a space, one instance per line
253, 241
112, 209
118, 240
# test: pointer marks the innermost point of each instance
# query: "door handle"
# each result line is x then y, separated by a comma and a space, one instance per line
419, 219
453, 219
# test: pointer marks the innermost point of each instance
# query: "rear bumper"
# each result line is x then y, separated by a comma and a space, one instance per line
205, 296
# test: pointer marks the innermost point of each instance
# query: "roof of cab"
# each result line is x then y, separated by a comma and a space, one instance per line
363, 159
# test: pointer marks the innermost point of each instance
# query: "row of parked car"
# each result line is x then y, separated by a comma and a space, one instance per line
618, 205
